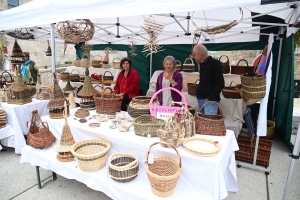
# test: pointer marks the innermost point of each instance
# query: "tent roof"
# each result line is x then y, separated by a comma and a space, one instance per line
39, 14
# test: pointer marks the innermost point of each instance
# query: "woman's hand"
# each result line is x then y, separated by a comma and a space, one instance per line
168, 75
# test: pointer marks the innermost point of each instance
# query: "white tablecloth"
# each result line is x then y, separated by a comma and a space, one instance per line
17, 117
201, 177
5, 132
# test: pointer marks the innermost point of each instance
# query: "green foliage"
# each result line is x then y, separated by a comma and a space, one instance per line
297, 39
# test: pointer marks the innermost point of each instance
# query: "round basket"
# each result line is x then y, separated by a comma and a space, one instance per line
188, 67
164, 173
123, 167
147, 125
178, 66
91, 154
225, 65
270, 130
108, 104
201, 146
82, 113
231, 92
97, 63
192, 88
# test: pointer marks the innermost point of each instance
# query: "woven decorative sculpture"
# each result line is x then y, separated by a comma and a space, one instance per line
87, 92
72, 101
18, 92
17, 54
66, 141
79, 30
68, 89
56, 103
20, 34
2, 117
132, 48
219, 29
153, 28
42, 93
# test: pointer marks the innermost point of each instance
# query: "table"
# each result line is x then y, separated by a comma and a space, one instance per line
5, 133
17, 117
201, 177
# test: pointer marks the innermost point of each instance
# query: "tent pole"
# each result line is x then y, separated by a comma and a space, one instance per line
53, 48
150, 66
294, 156
277, 73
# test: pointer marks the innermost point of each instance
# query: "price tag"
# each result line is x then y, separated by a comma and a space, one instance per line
162, 115
150, 159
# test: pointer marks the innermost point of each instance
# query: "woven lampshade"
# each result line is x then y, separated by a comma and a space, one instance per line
56, 103
17, 54
66, 141
48, 52
19, 92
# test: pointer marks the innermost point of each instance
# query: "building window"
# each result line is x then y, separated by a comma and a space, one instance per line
12, 3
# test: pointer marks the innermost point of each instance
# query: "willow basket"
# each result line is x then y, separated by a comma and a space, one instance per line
164, 173
225, 65
188, 67
123, 167
147, 125
108, 104
238, 69
91, 154
192, 88
231, 92
178, 66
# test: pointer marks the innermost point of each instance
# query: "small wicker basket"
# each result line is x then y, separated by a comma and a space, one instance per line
188, 67
82, 113
123, 167
238, 69
225, 65
178, 66
192, 88
116, 63
74, 77
107, 77
97, 63
164, 173
147, 125
231, 92
91, 154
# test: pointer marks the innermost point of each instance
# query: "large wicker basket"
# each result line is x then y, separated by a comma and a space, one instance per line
192, 88
123, 167
210, 124
91, 154
238, 69
85, 60
230, 92
139, 105
253, 86
147, 125
188, 66
108, 104
225, 65
164, 173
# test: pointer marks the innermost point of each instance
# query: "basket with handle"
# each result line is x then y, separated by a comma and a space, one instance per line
97, 63
123, 167
207, 124
225, 65
116, 63
238, 69
192, 88
178, 66
85, 60
64, 76
74, 77
107, 78
146, 125
253, 86
6, 82
231, 92
91, 154
164, 173
188, 66
76, 62
108, 104
139, 105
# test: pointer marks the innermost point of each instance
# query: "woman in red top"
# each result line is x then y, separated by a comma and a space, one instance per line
127, 84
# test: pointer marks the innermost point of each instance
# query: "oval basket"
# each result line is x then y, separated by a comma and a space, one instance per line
123, 167
74, 77
200, 140
178, 66
107, 78
192, 88
82, 113
139, 105
188, 67
164, 173
91, 154
225, 65
230, 92
97, 63
64, 76
147, 125
238, 69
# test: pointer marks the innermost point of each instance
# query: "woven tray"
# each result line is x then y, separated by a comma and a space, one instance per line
192, 144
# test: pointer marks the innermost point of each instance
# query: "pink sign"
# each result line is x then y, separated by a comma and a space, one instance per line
165, 109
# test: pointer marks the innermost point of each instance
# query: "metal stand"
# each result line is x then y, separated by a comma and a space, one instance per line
295, 156
253, 165
39, 178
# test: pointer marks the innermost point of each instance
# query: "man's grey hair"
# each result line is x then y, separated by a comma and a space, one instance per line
170, 58
200, 49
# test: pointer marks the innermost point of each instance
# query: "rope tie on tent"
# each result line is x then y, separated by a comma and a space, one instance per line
218, 29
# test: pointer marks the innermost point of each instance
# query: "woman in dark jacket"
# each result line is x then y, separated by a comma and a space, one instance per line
127, 84
169, 78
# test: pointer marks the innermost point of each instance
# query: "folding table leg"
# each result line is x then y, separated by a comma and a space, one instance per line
54, 177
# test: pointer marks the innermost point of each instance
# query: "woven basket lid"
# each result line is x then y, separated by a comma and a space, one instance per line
57, 97
17, 51
87, 89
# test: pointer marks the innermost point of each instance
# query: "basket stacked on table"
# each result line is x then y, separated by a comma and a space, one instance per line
123, 167
74, 77
239, 69
147, 125
108, 104
64, 76
139, 105
192, 88
231, 92
91, 154
164, 173
225, 65
178, 66
97, 63
107, 77
188, 65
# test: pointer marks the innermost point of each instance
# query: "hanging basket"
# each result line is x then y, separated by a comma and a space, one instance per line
19, 34
116, 63
188, 66
178, 66
225, 65
238, 69
164, 173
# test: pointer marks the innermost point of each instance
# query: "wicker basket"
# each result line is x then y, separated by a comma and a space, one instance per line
231, 92
147, 125
74, 77
164, 173
238, 69
108, 78
82, 113
2, 117
5, 81
192, 88
247, 148
91, 154
85, 60
97, 63
64, 76
108, 104
188, 67
225, 65
139, 105
253, 86
123, 167
76, 63
116, 63
178, 66
210, 124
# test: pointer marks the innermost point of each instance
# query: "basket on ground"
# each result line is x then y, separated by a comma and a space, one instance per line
108, 104
123, 167
147, 125
164, 173
91, 154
